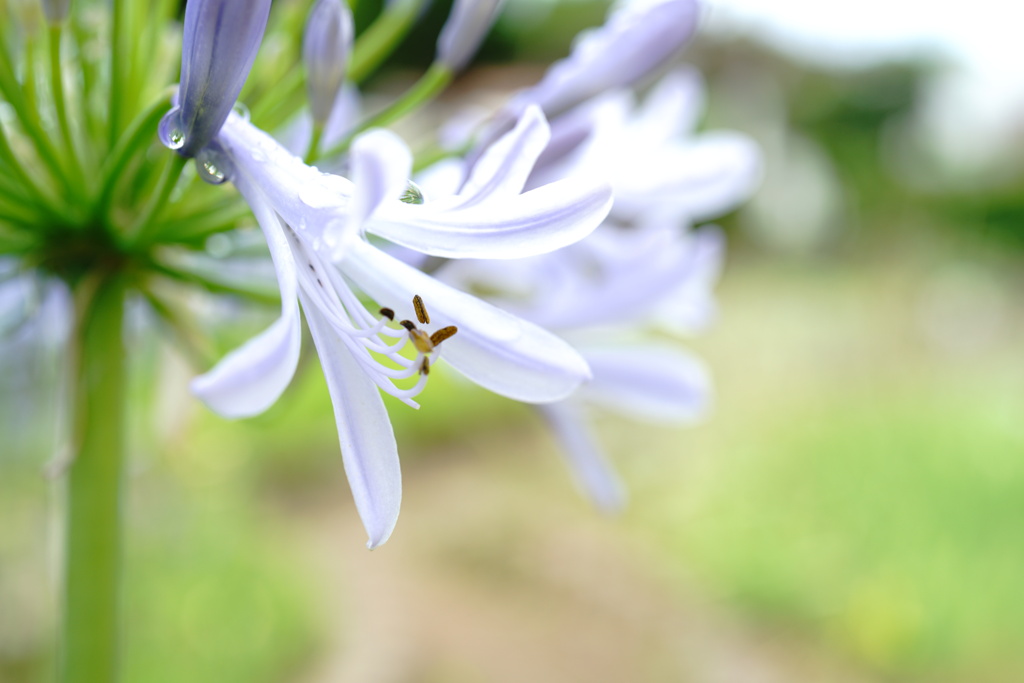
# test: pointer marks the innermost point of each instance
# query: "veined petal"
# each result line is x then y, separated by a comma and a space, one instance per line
251, 378
648, 382
496, 350
536, 222
368, 445
503, 168
588, 463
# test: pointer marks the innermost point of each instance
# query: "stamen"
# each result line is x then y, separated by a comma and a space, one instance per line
442, 334
421, 340
387, 313
408, 324
425, 366
421, 310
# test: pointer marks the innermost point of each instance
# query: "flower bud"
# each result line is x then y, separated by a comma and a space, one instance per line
219, 45
325, 50
56, 10
467, 26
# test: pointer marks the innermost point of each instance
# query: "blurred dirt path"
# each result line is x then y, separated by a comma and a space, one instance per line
498, 573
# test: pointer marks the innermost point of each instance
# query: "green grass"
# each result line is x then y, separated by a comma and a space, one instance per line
859, 486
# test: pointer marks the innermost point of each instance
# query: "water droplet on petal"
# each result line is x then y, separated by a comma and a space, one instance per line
241, 110
213, 166
176, 139
413, 194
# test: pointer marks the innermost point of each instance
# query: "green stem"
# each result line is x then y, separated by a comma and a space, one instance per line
379, 40
135, 140
90, 629
429, 86
314, 142
29, 119
117, 70
57, 85
144, 228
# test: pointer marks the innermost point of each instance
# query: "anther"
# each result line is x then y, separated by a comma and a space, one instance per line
442, 334
425, 366
421, 310
421, 340
408, 324
387, 313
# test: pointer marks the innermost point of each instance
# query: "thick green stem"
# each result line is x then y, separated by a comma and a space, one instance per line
90, 635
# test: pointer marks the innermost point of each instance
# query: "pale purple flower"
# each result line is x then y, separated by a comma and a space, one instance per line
657, 165
315, 223
640, 271
602, 295
219, 45
467, 26
325, 50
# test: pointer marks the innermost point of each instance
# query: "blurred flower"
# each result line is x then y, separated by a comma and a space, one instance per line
219, 45
56, 10
641, 270
467, 26
325, 50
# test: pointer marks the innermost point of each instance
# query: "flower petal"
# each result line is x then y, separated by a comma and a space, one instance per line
381, 164
367, 440
637, 38
699, 180
496, 350
251, 378
588, 463
503, 168
536, 222
648, 382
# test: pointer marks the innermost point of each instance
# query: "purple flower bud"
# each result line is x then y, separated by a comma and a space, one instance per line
465, 29
325, 49
56, 10
219, 45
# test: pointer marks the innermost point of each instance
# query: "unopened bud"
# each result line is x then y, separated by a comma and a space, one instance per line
467, 26
325, 50
56, 10
219, 45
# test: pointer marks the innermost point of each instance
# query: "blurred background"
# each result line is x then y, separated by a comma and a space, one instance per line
853, 510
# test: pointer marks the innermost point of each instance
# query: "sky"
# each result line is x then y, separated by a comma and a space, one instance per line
973, 105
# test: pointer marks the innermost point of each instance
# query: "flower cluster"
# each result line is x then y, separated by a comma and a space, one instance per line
570, 207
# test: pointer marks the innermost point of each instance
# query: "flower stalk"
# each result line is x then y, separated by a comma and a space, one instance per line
91, 629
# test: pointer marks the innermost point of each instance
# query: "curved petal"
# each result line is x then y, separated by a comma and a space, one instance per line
368, 445
588, 463
637, 38
381, 164
700, 180
251, 378
536, 222
496, 350
648, 382
504, 167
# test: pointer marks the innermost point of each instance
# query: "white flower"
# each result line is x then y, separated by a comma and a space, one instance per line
315, 225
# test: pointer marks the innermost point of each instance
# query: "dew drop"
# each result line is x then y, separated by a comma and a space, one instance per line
212, 173
176, 139
241, 110
413, 194
212, 166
